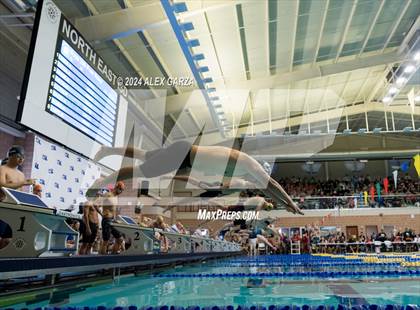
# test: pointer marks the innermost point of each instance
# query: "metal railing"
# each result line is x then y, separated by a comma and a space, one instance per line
337, 202
366, 247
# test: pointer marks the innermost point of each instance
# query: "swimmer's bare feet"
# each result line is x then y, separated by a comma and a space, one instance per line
103, 152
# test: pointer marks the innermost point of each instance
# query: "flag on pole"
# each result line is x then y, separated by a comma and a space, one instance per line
417, 163
365, 195
372, 193
378, 190
386, 184
395, 174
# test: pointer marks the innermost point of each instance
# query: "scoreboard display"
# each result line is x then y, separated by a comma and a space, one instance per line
80, 97
69, 93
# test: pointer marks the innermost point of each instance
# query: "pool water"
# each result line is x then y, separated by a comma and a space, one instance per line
167, 288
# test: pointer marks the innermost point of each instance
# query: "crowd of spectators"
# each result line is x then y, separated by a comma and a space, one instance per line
352, 192
313, 240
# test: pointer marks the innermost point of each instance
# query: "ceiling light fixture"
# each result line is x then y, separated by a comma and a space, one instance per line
409, 69
387, 99
401, 80
393, 90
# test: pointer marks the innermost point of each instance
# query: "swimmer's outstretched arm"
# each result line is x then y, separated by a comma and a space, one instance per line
267, 184
265, 240
246, 165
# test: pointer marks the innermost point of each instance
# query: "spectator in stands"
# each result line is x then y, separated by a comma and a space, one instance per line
302, 188
417, 242
381, 236
352, 247
408, 236
306, 243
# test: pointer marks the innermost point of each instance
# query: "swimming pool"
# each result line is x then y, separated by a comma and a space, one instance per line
252, 282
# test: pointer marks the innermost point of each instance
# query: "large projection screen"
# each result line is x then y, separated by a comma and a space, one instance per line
69, 93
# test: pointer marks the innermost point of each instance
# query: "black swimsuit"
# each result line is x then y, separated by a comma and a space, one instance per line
177, 156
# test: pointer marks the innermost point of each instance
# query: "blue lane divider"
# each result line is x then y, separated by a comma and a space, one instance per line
230, 307
318, 274
303, 264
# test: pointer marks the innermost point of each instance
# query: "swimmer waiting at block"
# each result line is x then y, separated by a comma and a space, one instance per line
10, 176
90, 227
180, 156
109, 215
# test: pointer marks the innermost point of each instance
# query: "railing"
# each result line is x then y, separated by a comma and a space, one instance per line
336, 202
311, 202
366, 247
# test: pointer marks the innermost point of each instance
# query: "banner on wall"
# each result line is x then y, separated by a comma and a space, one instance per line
64, 175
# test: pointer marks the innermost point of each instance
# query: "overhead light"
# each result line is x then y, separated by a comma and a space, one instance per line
401, 80
393, 90
362, 130
347, 131
377, 130
310, 162
387, 99
407, 129
409, 69
417, 56
363, 160
417, 98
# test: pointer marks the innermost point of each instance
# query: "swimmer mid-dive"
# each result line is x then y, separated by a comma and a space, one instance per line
179, 157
